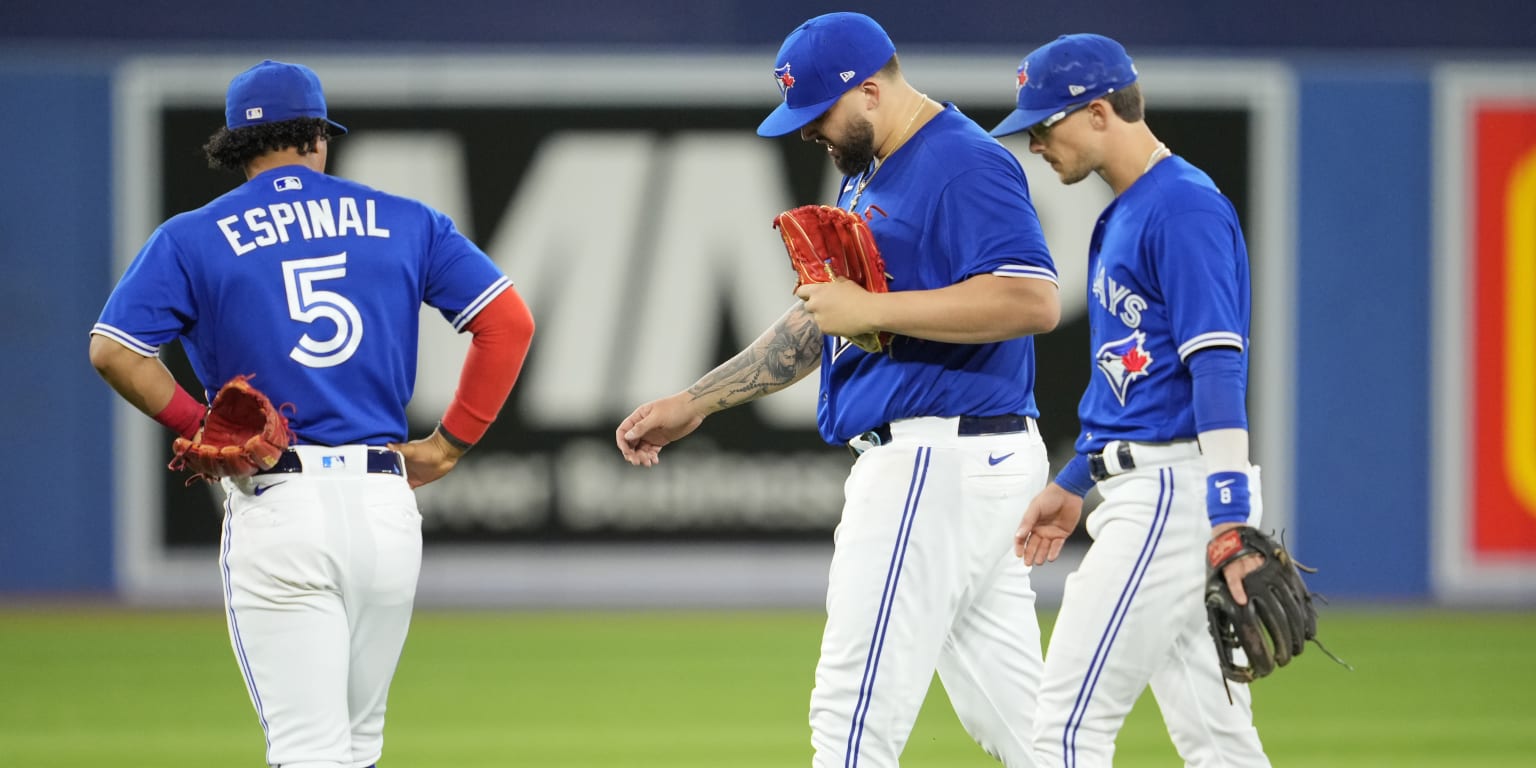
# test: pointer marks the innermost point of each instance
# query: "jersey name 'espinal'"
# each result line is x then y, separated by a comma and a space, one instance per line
307, 219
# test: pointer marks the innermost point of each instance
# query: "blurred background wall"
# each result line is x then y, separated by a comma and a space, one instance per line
1381, 154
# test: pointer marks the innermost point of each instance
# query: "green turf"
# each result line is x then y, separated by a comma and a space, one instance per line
489, 690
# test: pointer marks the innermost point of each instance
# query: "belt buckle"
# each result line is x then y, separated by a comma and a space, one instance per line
1096, 468
864, 442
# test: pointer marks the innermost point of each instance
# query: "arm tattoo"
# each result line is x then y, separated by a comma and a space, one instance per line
783, 355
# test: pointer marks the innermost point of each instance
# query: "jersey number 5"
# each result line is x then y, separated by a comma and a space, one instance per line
307, 304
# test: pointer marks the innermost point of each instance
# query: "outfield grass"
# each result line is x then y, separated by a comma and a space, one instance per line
491, 690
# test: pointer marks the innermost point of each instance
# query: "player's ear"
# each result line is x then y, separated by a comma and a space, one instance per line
870, 90
1099, 112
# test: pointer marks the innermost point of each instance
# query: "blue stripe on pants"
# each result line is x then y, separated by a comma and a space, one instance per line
234, 624
1160, 515
887, 604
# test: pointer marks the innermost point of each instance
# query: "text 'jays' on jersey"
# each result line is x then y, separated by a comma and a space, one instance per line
1168, 276
313, 284
949, 204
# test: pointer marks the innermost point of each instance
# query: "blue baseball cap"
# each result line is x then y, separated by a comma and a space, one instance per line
274, 91
1065, 74
819, 62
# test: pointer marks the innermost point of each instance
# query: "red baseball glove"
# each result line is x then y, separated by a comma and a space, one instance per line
242, 434
826, 243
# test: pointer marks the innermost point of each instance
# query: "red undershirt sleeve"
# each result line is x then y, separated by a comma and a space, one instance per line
502, 332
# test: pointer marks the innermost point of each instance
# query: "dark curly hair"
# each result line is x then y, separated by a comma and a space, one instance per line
231, 150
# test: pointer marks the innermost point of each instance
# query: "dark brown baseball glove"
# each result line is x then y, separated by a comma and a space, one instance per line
1277, 620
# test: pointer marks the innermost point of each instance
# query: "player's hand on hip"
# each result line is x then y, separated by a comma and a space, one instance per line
1235, 571
642, 434
1048, 521
427, 459
840, 308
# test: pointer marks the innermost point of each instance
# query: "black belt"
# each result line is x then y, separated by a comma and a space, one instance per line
380, 461
1099, 471
969, 426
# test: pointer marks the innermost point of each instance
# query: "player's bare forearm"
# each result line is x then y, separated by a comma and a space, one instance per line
144, 382
783, 355
982, 309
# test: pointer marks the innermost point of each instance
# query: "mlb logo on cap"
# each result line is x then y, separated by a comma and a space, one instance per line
274, 91
1063, 75
829, 55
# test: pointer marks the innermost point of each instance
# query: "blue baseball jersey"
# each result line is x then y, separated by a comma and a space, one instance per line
1168, 277
312, 283
949, 204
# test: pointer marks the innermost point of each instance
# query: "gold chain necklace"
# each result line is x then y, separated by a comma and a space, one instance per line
858, 190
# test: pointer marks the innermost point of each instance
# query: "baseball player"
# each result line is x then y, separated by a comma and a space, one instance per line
942, 422
314, 284
1164, 425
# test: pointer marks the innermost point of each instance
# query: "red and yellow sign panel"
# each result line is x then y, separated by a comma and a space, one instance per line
1503, 329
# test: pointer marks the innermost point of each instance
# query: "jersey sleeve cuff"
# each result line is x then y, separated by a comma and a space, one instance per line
122, 337
485, 297
1208, 340
1026, 270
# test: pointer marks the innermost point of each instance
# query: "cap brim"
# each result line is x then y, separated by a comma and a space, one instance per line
1021, 120
1024, 119
787, 119
338, 126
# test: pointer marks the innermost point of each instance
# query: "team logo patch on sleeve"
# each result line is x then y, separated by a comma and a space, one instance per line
1123, 362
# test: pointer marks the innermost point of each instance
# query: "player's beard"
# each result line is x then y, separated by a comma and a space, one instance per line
856, 151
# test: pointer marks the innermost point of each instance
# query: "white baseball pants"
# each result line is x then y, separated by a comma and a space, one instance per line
923, 578
320, 571
1133, 614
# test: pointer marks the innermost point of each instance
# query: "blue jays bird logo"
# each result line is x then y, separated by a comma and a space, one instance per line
1023, 75
1123, 362
786, 80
